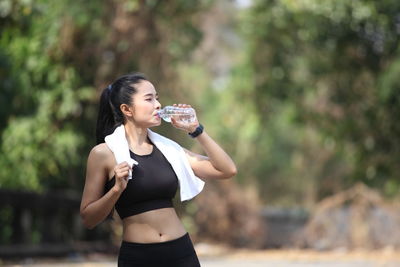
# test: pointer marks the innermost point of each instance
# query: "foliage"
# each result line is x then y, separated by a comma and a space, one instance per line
325, 94
42, 99
54, 56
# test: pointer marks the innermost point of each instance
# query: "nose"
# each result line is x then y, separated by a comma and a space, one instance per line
158, 105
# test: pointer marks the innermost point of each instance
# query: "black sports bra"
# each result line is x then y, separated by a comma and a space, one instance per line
153, 185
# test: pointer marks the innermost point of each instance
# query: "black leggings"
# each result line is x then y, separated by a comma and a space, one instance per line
175, 253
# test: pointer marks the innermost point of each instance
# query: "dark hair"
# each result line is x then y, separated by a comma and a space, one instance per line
119, 92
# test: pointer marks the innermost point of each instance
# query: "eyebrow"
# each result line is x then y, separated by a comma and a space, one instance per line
150, 94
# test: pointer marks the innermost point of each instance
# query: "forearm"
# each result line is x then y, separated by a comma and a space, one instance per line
97, 211
217, 156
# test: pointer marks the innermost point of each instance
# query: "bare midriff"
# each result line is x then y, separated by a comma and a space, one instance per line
153, 226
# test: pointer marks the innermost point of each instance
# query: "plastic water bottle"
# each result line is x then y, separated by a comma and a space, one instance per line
186, 115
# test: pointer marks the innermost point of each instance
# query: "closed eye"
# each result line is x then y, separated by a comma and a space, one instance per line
149, 99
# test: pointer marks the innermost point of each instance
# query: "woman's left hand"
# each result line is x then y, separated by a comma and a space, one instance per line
187, 127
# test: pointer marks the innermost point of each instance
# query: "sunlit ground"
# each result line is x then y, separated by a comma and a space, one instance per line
222, 257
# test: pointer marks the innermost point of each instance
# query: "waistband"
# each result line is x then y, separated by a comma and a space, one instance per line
159, 251
163, 243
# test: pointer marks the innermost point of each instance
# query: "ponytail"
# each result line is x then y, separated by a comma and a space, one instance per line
110, 115
105, 118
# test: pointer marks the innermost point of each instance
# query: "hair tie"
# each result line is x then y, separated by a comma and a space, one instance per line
109, 88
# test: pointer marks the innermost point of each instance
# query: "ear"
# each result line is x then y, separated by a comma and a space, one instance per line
126, 110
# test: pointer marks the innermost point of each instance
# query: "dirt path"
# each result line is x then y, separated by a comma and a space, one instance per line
303, 258
239, 263
245, 258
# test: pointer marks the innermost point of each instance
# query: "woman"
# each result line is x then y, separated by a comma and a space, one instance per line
153, 235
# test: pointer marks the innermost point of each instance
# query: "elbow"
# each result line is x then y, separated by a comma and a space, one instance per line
86, 222
230, 173
233, 172
88, 225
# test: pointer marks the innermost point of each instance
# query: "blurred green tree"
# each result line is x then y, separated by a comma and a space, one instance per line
55, 59
324, 80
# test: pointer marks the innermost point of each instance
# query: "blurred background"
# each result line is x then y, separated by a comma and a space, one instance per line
303, 94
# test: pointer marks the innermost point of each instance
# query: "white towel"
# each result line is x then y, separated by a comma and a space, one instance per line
119, 146
190, 184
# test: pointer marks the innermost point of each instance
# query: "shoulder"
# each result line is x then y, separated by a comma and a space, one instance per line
100, 152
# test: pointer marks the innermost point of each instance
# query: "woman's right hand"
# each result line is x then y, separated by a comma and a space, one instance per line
121, 172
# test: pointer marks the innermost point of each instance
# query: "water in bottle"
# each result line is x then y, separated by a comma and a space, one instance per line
186, 115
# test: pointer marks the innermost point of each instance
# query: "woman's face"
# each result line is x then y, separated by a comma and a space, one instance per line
145, 105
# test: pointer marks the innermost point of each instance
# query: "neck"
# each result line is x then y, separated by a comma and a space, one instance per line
135, 136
